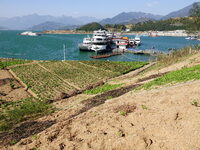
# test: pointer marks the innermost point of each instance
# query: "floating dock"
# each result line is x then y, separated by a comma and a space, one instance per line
106, 55
144, 52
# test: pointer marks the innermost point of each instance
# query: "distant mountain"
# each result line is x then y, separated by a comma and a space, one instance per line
91, 27
47, 26
29, 21
69, 27
135, 21
129, 17
86, 19
180, 13
2, 28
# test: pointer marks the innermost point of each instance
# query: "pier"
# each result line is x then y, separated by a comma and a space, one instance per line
106, 55
144, 52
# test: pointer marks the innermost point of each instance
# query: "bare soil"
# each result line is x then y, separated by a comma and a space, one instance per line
10, 88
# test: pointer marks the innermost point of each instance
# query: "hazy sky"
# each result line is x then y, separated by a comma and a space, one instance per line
94, 8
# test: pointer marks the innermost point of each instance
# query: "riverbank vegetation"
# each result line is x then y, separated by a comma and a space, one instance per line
177, 55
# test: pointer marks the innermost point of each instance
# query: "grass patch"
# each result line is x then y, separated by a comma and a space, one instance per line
183, 75
164, 60
10, 62
102, 89
176, 56
16, 112
116, 67
132, 65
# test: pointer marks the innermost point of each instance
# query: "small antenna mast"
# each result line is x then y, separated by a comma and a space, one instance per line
64, 47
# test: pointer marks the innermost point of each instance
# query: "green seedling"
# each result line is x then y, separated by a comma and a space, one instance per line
194, 103
13, 142
34, 137
122, 113
144, 107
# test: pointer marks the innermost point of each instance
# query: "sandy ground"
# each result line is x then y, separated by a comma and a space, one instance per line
158, 119
169, 121
10, 88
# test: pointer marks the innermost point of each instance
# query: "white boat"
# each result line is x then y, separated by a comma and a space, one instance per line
191, 38
29, 33
121, 43
137, 40
99, 41
86, 45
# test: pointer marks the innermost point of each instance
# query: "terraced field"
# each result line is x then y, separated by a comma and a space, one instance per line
46, 79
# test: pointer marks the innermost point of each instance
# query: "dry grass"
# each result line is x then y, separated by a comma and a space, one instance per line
175, 56
125, 109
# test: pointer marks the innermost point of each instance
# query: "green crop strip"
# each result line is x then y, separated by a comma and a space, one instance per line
183, 75
103, 88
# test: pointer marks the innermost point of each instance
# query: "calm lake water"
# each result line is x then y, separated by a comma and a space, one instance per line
50, 47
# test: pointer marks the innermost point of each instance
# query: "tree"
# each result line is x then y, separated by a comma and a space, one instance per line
195, 14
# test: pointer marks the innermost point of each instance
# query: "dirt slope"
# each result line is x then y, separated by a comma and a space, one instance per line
168, 122
158, 119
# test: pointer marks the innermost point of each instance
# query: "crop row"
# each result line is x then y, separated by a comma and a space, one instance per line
40, 81
70, 73
99, 72
10, 62
117, 67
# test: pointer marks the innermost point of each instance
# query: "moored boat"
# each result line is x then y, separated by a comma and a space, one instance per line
137, 40
86, 45
191, 38
29, 33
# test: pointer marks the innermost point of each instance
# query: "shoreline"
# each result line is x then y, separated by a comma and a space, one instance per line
175, 33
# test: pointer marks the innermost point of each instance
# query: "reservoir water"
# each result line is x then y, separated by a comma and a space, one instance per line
50, 47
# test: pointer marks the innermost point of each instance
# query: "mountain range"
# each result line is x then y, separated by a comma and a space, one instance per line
130, 17
2, 28
50, 25
180, 13
29, 21
47, 22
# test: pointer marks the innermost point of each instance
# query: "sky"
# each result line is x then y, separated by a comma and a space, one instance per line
94, 8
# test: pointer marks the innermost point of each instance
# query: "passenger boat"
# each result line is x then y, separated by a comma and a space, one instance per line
29, 33
99, 41
137, 40
103, 41
86, 45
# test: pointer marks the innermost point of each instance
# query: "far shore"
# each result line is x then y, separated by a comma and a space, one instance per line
178, 33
